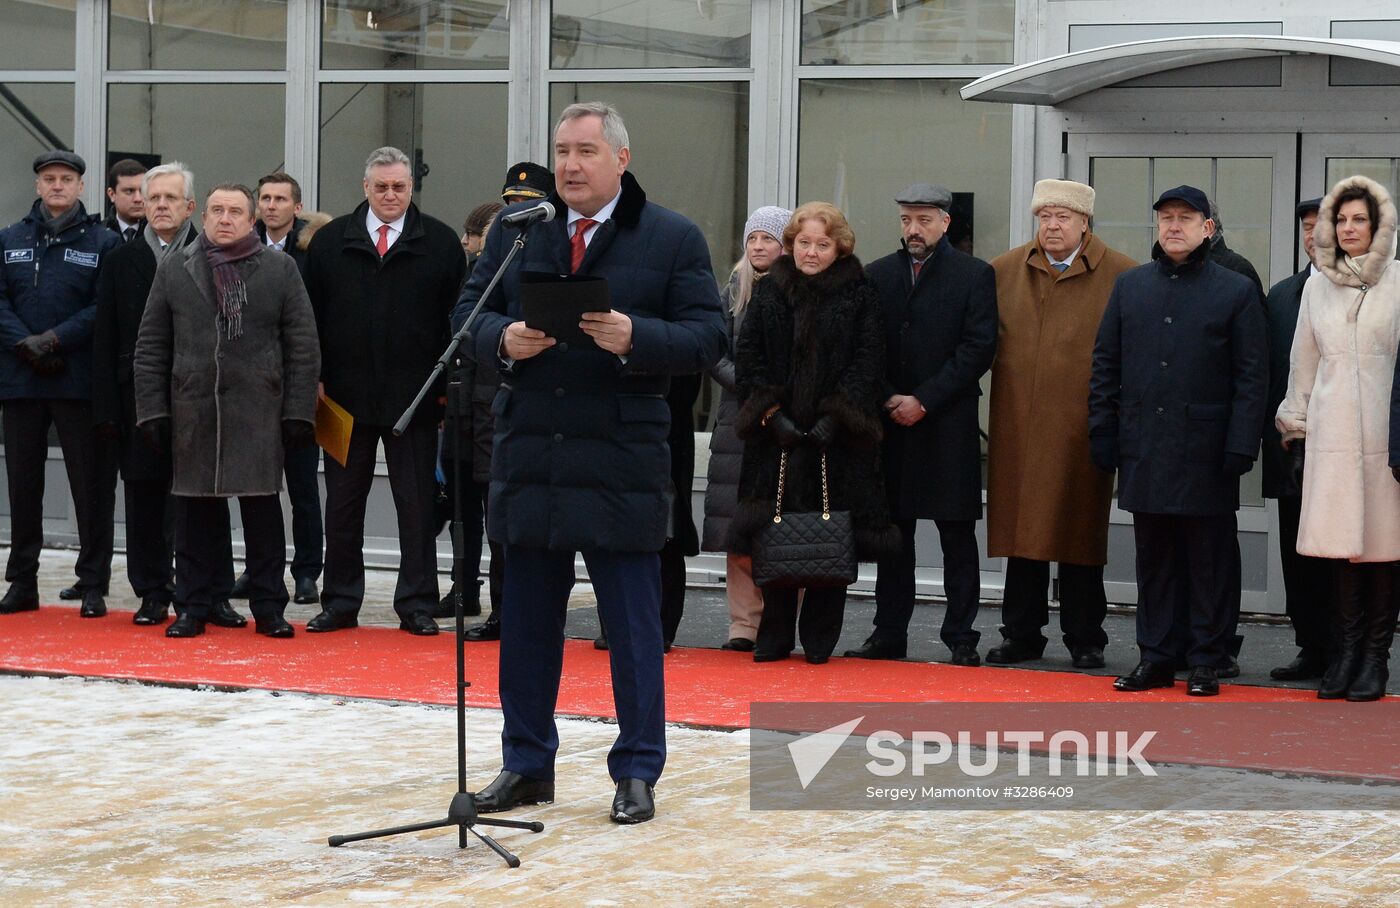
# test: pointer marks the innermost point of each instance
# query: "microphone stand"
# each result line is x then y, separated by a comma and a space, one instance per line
462, 811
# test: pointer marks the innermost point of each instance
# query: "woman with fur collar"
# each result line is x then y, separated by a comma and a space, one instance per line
810, 369
1339, 403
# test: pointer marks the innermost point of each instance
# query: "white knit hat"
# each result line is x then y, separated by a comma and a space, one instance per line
770, 219
1063, 194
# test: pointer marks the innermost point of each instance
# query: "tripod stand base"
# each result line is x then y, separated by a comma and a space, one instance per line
462, 814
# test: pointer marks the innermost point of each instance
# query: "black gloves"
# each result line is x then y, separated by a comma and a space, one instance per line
1103, 451
35, 346
1296, 455
297, 433
822, 432
785, 431
156, 433
1236, 464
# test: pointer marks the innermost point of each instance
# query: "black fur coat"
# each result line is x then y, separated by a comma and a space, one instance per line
814, 346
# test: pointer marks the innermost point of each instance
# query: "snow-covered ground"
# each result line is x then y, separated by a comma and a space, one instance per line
117, 794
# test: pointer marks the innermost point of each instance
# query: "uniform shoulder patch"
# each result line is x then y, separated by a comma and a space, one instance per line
13, 256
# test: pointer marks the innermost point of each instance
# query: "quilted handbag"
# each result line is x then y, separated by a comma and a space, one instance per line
805, 550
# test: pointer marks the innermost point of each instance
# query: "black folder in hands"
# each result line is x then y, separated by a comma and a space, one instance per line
555, 303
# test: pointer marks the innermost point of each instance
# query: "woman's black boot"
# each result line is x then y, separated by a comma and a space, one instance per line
1348, 630
1381, 607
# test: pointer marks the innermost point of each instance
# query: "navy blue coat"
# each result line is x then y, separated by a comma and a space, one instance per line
1180, 379
50, 282
940, 339
1281, 310
581, 460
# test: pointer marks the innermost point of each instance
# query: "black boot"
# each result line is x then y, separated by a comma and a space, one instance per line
1381, 613
1348, 627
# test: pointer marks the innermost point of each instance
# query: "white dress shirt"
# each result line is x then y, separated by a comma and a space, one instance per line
1065, 261
373, 223
603, 214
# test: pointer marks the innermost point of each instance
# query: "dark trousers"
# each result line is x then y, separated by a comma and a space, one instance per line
466, 562
817, 623
150, 541
1307, 584
1186, 565
26, 424
962, 584
628, 587
410, 459
1025, 607
673, 590
304, 491
105, 465
203, 544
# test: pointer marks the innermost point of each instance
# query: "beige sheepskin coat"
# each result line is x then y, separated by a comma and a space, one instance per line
1339, 386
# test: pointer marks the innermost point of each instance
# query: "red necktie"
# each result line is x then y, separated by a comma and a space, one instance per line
917, 266
576, 245
383, 245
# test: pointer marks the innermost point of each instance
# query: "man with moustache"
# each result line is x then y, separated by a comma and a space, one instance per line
383, 280
1176, 405
225, 369
940, 311
52, 259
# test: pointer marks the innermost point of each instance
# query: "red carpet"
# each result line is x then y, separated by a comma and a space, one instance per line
706, 687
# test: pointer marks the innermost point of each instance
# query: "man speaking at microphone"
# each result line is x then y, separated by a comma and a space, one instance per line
581, 462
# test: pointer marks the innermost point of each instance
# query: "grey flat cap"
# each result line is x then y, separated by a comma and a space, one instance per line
58, 156
925, 194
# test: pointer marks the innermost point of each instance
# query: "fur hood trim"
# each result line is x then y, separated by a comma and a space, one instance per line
1328, 256
841, 275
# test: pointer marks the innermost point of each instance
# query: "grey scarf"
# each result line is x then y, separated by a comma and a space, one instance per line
176, 242
56, 225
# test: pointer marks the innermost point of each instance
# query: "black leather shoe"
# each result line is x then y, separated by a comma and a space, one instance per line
306, 593
1370, 681
763, 656
276, 626
240, 588
447, 606
419, 624
635, 802
817, 659
221, 614
966, 654
1202, 682
152, 611
601, 642
1231, 669
509, 790
740, 645
94, 606
71, 593
877, 648
1009, 652
1146, 676
331, 621
19, 600
490, 629
1303, 668
1083, 657
185, 626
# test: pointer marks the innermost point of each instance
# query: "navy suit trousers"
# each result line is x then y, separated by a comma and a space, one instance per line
628, 587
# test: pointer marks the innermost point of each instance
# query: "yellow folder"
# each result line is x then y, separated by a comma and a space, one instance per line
333, 427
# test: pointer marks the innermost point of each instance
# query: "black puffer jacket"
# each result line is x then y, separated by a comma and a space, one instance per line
814, 346
726, 450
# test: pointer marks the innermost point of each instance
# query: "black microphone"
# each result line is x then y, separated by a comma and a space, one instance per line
524, 218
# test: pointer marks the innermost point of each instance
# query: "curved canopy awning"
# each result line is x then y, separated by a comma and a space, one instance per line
1066, 76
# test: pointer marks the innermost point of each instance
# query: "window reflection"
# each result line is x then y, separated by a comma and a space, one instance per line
603, 34
37, 34
188, 34
410, 34
907, 31
34, 117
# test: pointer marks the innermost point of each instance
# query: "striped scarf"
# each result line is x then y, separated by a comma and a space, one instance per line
228, 283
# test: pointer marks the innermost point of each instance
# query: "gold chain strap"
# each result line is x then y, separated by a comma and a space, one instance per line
782, 484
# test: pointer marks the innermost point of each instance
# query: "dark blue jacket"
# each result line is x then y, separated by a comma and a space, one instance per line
50, 283
1281, 311
581, 461
1180, 379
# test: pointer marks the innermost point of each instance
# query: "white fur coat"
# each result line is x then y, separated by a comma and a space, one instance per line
1339, 386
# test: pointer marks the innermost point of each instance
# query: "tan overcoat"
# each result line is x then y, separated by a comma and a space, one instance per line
1046, 500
